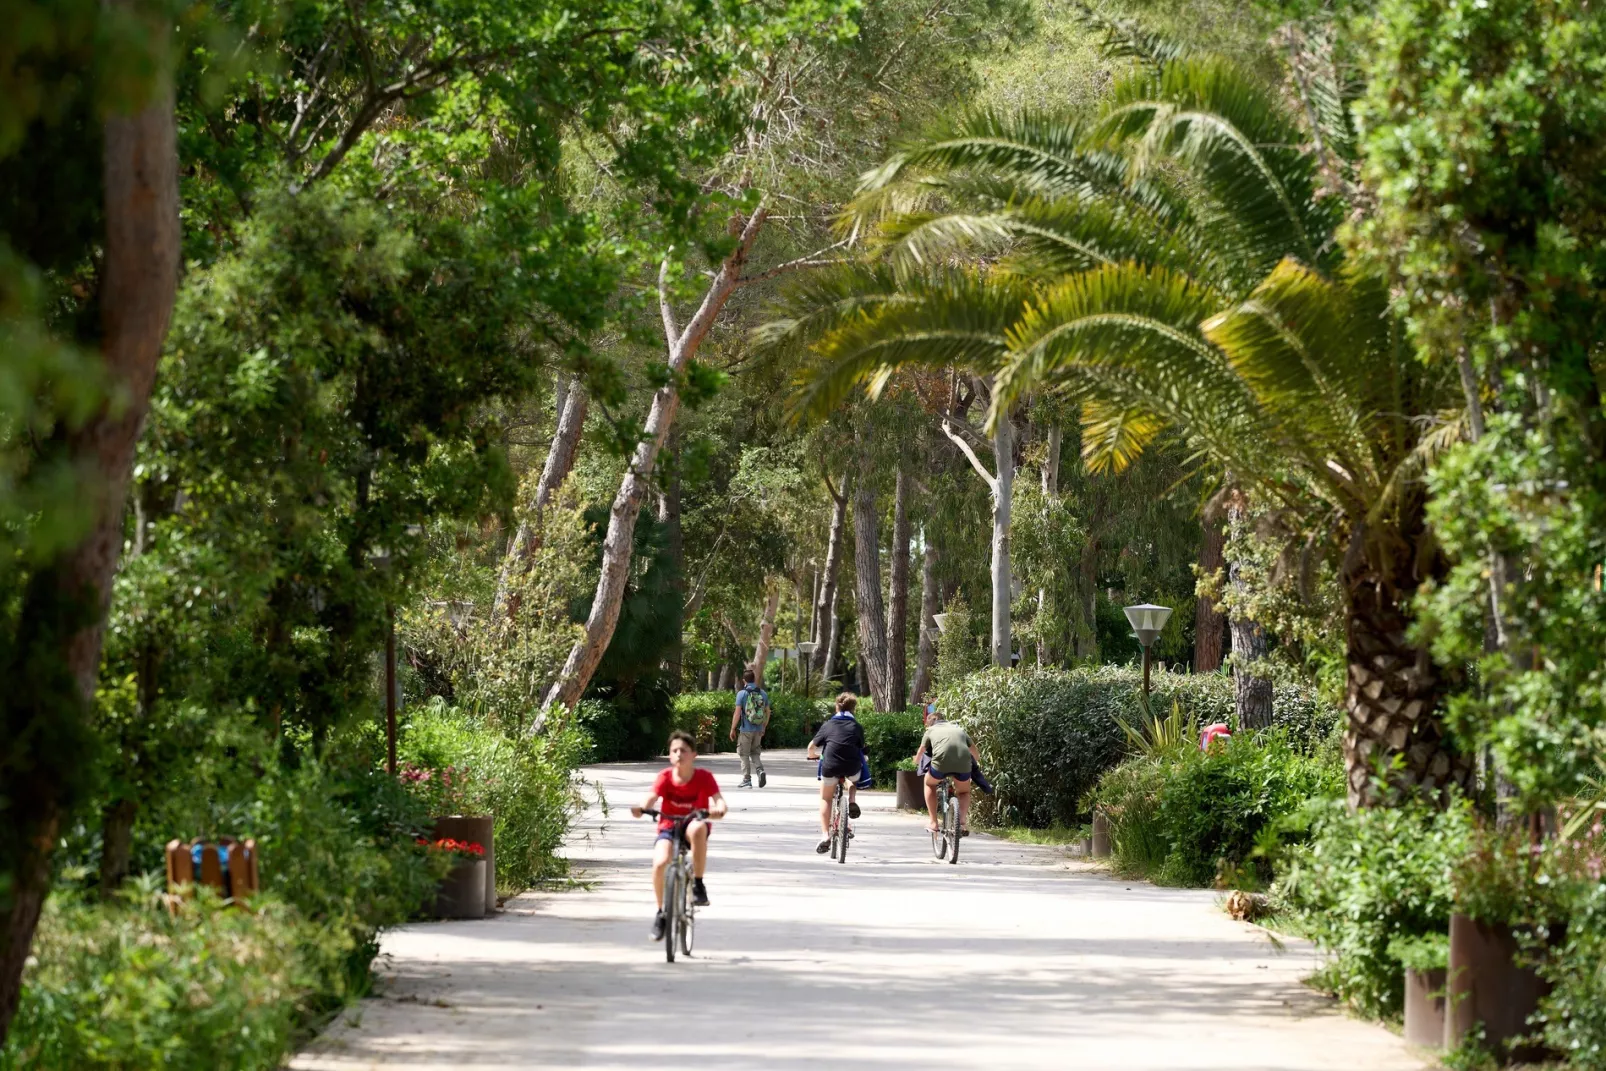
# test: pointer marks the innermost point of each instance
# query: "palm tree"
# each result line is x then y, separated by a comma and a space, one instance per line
1171, 265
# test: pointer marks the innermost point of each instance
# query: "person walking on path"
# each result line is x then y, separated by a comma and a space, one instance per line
749, 719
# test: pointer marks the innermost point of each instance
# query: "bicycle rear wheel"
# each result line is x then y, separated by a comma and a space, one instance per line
836, 824
842, 820
939, 839
672, 895
951, 820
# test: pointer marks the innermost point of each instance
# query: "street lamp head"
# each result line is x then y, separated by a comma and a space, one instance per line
1147, 620
941, 621
807, 647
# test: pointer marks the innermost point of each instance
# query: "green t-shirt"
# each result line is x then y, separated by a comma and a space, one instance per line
949, 747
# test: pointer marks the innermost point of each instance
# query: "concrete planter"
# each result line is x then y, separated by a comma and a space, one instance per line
462, 893
911, 791
478, 829
1486, 985
1424, 1007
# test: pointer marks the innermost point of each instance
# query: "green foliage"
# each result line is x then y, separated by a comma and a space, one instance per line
1369, 878
1573, 1016
959, 651
1423, 952
890, 737
524, 782
1046, 737
1188, 817
126, 984
707, 716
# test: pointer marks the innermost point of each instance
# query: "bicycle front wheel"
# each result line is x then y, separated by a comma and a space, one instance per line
951, 820
688, 917
672, 896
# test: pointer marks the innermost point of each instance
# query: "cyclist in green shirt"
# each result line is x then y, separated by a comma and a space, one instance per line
952, 755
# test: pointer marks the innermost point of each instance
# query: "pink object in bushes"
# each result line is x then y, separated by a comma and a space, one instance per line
1212, 733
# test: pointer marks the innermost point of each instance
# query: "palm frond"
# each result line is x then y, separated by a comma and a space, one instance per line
1124, 39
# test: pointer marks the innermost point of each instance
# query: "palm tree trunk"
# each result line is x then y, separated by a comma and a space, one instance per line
1209, 623
871, 610
56, 660
1253, 692
617, 545
1392, 695
559, 463
897, 627
926, 660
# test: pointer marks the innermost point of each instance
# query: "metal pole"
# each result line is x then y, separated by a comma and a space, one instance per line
1145, 676
390, 689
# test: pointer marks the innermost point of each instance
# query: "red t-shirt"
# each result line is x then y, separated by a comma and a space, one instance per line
677, 800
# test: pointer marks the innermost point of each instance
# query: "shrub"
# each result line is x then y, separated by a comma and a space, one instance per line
126, 984
1189, 817
525, 782
707, 716
1367, 880
890, 737
1573, 1017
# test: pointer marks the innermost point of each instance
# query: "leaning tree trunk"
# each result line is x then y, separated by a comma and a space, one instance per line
1395, 739
898, 626
1209, 623
675, 550
871, 611
585, 655
1253, 691
833, 644
56, 659
1004, 455
825, 609
527, 538
926, 660
766, 630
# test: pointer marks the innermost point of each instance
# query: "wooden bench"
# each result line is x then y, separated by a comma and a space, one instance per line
237, 884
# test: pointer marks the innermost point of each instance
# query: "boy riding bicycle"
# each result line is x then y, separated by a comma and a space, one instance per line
951, 755
842, 738
677, 792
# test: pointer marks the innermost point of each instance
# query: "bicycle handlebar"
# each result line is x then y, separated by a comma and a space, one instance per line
653, 812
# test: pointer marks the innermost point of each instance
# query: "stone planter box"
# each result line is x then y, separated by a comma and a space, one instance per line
475, 830
1486, 985
1424, 1007
462, 893
911, 791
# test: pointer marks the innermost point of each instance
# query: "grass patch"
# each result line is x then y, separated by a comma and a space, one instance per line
1064, 836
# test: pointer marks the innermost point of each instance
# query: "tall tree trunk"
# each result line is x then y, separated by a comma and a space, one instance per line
825, 609
833, 644
1051, 490
1209, 623
766, 629
1393, 691
617, 544
898, 581
871, 612
675, 545
521, 552
1004, 455
1087, 636
53, 671
1253, 692
926, 659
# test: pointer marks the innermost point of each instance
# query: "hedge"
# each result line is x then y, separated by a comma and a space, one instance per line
1046, 736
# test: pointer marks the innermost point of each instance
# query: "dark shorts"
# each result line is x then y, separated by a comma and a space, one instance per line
831, 775
669, 834
939, 775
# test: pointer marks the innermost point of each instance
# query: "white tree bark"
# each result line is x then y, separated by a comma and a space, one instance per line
571, 411
766, 630
1051, 490
825, 608
1002, 487
617, 545
926, 659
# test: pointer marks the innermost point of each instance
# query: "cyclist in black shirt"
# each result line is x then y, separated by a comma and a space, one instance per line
842, 738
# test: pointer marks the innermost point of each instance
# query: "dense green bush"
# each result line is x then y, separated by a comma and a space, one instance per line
525, 782
890, 737
1367, 879
1187, 817
127, 985
1573, 1017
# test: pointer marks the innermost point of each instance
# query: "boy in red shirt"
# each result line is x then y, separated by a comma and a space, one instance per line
678, 791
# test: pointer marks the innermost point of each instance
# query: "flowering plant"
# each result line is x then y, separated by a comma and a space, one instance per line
466, 848
445, 789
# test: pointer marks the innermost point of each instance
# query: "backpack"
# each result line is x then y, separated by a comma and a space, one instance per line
757, 708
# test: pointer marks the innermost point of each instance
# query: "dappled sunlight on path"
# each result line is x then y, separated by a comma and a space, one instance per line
1015, 958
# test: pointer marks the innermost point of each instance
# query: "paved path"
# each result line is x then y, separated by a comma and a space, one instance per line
1016, 958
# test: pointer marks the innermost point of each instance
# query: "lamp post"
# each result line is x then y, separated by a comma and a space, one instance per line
941, 621
805, 654
1147, 620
